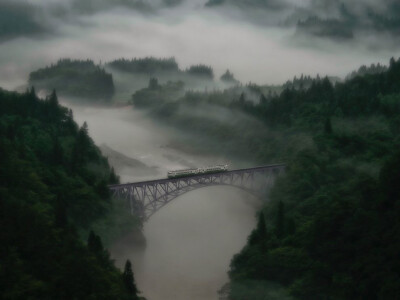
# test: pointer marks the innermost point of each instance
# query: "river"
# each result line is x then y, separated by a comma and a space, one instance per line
191, 241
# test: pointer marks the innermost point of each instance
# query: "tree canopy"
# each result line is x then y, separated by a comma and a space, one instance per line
75, 78
53, 183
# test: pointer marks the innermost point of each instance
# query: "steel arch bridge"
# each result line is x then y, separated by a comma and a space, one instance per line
147, 197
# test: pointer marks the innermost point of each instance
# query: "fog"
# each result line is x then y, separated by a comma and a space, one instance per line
131, 133
190, 241
193, 35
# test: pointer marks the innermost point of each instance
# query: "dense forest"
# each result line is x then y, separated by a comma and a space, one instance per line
330, 227
156, 94
147, 65
53, 186
330, 230
201, 71
305, 81
160, 66
75, 78
367, 70
229, 77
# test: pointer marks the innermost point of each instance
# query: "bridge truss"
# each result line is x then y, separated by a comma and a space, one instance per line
147, 197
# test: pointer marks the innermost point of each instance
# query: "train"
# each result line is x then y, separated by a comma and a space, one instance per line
192, 172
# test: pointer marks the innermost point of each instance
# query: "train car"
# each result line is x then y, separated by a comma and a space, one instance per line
192, 172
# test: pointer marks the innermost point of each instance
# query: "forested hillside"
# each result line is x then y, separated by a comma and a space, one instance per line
75, 78
156, 94
330, 228
201, 71
147, 65
53, 183
367, 70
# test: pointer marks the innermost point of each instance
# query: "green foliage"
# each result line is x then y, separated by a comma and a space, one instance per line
113, 179
359, 96
45, 198
331, 223
228, 77
75, 78
328, 126
155, 95
390, 104
201, 71
370, 70
147, 65
117, 223
260, 233
129, 280
334, 223
345, 236
280, 221
257, 290
304, 82
94, 243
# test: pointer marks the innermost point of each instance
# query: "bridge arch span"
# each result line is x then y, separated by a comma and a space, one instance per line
161, 203
147, 197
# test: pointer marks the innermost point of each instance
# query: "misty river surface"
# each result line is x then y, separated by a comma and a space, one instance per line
190, 241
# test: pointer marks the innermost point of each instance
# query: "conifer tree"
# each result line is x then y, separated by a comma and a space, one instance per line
61, 219
32, 92
261, 226
81, 147
129, 280
263, 100
53, 99
153, 84
280, 220
113, 177
58, 155
94, 243
328, 126
242, 98
84, 129
259, 235
392, 63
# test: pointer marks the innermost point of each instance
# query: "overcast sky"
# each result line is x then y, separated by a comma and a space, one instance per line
193, 35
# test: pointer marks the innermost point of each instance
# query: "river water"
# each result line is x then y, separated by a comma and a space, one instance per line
191, 241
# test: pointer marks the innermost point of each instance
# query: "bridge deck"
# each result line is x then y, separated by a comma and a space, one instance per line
155, 181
